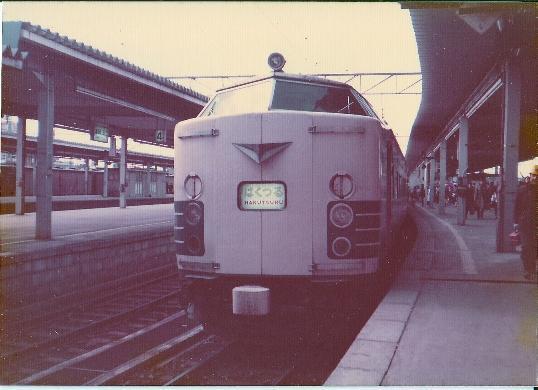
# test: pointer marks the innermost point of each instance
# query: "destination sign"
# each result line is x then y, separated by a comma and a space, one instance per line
262, 196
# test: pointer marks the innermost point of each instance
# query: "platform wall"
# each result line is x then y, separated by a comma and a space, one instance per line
65, 272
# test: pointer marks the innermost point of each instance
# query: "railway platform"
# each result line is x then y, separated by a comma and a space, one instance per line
76, 202
92, 250
459, 313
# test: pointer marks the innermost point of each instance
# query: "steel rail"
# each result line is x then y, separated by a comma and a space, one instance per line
41, 347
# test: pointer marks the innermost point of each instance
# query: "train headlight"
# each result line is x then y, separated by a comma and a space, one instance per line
276, 61
193, 213
341, 215
194, 244
341, 246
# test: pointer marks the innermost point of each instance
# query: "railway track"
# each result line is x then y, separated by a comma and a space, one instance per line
144, 336
144, 350
76, 332
154, 342
17, 329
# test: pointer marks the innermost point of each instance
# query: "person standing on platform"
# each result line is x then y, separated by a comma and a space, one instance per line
469, 200
429, 197
525, 218
493, 201
422, 194
479, 200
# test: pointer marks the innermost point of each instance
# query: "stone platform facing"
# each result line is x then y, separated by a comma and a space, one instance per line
109, 249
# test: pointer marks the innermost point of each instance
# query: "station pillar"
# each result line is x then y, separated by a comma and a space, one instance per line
45, 116
442, 177
425, 176
463, 165
86, 173
123, 173
147, 181
20, 159
34, 175
511, 128
105, 179
431, 184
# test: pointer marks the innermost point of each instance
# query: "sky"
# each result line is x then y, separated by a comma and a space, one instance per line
194, 38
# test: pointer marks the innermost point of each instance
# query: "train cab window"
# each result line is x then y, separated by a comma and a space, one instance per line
249, 98
367, 106
316, 98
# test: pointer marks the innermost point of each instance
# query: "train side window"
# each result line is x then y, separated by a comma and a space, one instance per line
315, 98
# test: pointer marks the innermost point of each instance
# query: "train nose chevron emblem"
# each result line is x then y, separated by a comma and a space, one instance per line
262, 152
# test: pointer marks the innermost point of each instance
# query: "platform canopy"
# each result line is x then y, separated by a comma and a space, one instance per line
91, 88
459, 46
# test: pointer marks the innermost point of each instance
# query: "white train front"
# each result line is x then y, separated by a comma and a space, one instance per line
286, 176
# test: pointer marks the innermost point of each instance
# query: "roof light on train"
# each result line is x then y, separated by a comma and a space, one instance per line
341, 215
276, 61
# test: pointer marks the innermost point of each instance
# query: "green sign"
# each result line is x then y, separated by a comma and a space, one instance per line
100, 134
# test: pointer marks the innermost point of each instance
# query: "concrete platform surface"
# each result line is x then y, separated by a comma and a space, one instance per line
79, 202
458, 314
21, 228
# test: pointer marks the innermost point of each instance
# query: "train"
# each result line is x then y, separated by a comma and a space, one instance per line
285, 184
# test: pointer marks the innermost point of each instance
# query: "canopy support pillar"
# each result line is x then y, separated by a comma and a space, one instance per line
509, 181
463, 166
20, 159
45, 116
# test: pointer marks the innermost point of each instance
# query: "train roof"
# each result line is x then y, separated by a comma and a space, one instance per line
289, 76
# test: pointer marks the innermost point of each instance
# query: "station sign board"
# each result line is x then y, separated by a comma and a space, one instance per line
160, 136
100, 134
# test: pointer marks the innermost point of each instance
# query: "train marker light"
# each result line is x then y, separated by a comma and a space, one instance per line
276, 61
341, 185
193, 186
341, 215
193, 213
341, 246
194, 245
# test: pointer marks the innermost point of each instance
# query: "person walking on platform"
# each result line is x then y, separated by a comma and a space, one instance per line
492, 194
469, 200
525, 218
429, 197
493, 201
422, 194
479, 201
